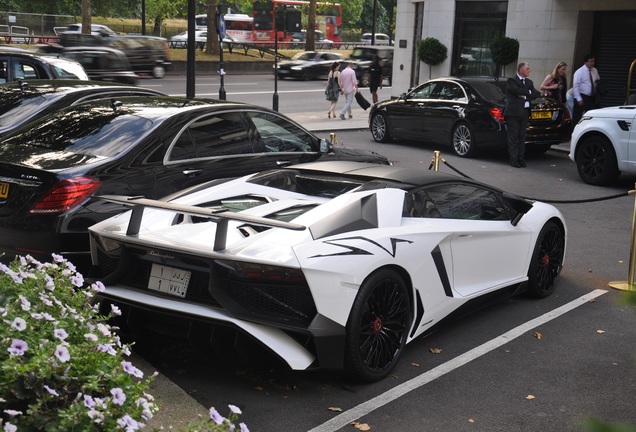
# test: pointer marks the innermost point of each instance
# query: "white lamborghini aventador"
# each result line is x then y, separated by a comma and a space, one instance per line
330, 264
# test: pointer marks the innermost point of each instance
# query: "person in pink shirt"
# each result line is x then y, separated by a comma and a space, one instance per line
348, 86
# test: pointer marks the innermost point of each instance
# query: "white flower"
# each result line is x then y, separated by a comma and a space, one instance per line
8, 427
62, 354
60, 334
235, 409
115, 310
26, 305
131, 370
19, 324
77, 280
51, 391
12, 413
91, 337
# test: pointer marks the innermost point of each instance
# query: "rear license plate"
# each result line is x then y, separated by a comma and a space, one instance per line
541, 115
4, 190
169, 280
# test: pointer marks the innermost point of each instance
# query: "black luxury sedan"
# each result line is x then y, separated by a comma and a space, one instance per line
466, 113
308, 65
138, 146
26, 101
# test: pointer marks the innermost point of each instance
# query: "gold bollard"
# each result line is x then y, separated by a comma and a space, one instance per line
333, 139
436, 160
629, 285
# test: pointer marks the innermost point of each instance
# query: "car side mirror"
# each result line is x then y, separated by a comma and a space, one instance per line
403, 96
325, 147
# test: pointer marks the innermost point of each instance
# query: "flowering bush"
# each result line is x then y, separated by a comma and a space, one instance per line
218, 423
61, 366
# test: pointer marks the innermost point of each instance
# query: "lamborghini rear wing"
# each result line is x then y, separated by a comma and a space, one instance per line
221, 217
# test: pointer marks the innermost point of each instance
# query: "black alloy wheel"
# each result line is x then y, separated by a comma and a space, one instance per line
377, 327
596, 161
380, 128
546, 260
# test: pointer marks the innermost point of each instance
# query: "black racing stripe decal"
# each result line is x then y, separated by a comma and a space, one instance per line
441, 270
352, 250
419, 312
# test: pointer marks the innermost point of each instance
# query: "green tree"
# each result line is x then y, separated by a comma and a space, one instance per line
432, 52
366, 18
504, 50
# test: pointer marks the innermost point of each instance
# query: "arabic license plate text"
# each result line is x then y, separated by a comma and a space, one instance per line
169, 280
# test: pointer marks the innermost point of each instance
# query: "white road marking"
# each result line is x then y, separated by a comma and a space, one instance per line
345, 418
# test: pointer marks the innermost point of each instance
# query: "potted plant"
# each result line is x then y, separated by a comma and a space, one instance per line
432, 52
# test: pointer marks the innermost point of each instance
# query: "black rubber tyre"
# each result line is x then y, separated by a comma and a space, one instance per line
596, 161
380, 128
377, 327
546, 260
463, 140
158, 71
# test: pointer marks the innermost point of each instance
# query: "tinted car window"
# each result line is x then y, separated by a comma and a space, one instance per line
452, 91
455, 201
427, 91
278, 135
97, 131
214, 135
490, 91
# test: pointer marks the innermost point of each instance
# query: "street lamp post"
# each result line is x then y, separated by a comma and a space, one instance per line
275, 97
221, 30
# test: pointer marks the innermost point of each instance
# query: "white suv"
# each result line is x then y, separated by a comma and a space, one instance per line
604, 144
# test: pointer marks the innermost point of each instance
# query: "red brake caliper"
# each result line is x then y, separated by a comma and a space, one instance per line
377, 324
546, 259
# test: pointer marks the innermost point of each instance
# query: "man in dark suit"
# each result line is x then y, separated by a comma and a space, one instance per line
519, 92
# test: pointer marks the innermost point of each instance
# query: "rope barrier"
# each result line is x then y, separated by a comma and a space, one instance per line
437, 159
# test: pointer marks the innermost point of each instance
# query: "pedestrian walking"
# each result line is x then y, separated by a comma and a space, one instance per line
332, 91
583, 89
348, 87
375, 78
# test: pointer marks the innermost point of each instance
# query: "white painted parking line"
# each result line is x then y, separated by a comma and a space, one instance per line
355, 413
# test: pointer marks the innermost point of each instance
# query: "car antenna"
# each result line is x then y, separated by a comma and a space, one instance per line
23, 85
114, 104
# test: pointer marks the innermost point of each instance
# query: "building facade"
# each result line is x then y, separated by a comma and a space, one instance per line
548, 31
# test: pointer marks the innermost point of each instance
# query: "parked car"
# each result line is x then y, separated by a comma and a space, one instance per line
181, 40
329, 265
96, 29
308, 65
150, 146
362, 57
603, 144
380, 39
319, 38
146, 54
102, 63
466, 113
21, 103
19, 65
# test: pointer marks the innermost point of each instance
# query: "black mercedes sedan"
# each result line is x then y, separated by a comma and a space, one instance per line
139, 146
308, 65
26, 101
466, 113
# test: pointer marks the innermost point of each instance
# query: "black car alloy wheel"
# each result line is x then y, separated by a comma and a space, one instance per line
596, 161
378, 326
546, 261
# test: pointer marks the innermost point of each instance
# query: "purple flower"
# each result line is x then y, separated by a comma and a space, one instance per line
60, 334
119, 397
26, 304
89, 402
8, 427
18, 347
132, 370
107, 348
216, 417
98, 286
243, 427
19, 324
57, 258
91, 337
62, 354
77, 280
115, 310
12, 413
128, 423
51, 391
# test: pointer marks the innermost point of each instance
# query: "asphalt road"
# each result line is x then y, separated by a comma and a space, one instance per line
524, 365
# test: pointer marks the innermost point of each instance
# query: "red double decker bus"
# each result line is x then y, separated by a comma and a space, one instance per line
268, 12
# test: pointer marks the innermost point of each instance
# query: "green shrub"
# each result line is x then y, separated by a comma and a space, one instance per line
61, 366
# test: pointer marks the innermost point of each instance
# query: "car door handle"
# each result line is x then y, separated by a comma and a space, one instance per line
283, 163
464, 235
191, 173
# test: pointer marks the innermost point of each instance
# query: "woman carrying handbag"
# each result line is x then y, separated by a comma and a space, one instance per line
333, 88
